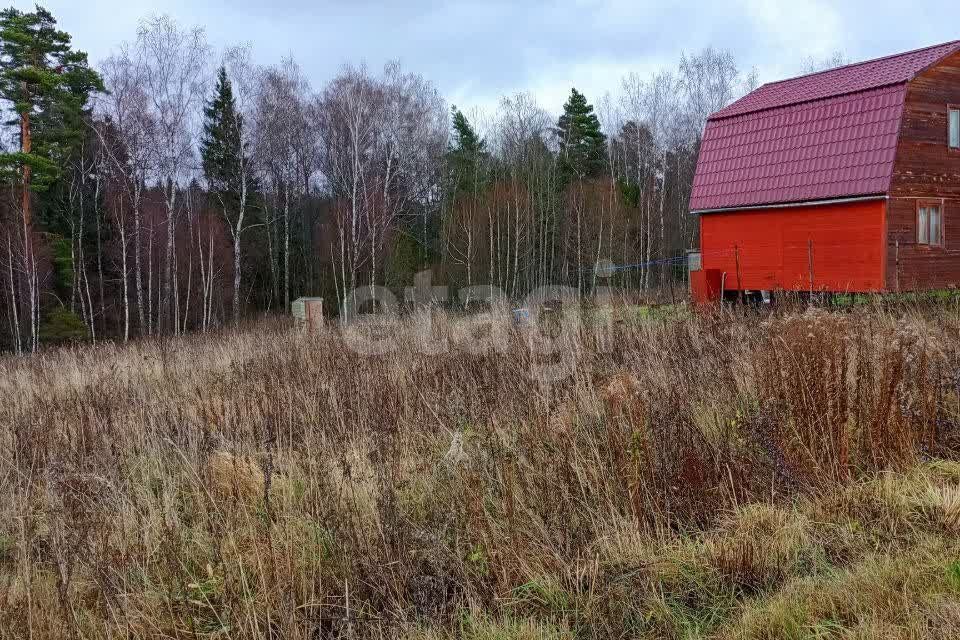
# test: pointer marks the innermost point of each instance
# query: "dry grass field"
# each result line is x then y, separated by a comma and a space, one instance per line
728, 476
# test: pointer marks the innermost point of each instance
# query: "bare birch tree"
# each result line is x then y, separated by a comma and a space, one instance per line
175, 65
381, 140
239, 171
285, 145
125, 132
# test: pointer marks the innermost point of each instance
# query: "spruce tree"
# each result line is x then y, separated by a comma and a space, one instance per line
465, 137
221, 147
467, 155
226, 165
581, 143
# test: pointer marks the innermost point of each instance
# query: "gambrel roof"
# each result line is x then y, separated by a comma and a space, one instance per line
821, 136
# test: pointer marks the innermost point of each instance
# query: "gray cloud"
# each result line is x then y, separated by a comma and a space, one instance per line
476, 51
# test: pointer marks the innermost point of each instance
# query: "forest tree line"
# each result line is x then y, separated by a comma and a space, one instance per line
173, 187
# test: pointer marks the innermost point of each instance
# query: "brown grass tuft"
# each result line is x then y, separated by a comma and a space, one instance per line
236, 477
729, 475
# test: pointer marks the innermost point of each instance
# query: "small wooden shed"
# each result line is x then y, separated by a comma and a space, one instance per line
846, 180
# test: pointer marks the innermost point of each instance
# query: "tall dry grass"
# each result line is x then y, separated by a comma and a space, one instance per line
730, 475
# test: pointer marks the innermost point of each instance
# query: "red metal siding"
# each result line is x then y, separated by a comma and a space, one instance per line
705, 286
772, 247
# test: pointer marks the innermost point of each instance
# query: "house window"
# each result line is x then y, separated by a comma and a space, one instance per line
929, 224
953, 133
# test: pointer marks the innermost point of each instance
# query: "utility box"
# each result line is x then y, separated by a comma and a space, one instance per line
308, 312
706, 286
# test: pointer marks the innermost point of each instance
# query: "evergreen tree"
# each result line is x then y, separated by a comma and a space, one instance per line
466, 139
46, 84
222, 148
468, 156
226, 165
582, 144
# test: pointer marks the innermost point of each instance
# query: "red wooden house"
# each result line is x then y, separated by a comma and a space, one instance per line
843, 180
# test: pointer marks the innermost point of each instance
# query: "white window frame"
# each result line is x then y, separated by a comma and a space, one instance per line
953, 127
930, 223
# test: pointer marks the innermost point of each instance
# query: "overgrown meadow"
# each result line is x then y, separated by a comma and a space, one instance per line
730, 475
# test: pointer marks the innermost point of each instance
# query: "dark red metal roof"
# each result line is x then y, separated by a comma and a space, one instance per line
833, 82
826, 135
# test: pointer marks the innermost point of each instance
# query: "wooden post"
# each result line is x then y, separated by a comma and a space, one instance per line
896, 261
670, 282
313, 309
736, 259
810, 265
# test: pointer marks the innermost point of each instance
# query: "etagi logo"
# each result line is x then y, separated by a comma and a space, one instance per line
548, 322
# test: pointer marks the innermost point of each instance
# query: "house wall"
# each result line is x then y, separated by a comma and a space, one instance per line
925, 168
771, 248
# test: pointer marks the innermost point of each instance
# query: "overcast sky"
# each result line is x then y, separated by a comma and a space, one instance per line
476, 51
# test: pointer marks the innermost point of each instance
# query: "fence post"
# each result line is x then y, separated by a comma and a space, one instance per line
736, 259
896, 259
810, 265
673, 300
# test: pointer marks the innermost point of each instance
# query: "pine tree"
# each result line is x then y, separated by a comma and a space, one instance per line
47, 85
582, 144
467, 156
226, 165
466, 139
